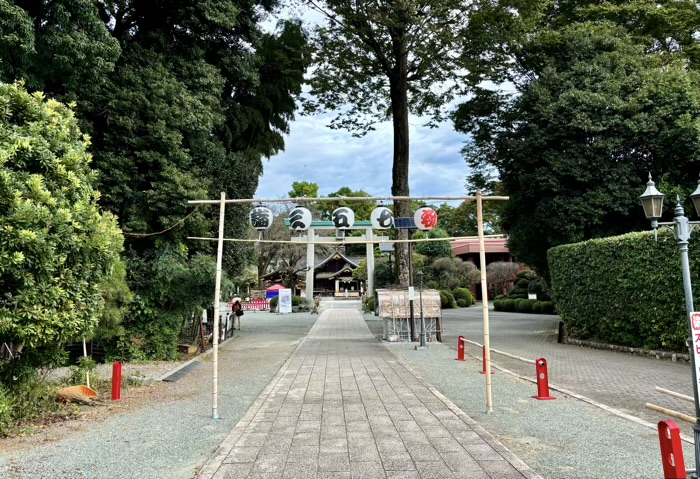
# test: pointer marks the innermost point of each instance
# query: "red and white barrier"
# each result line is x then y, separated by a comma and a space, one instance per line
255, 305
671, 450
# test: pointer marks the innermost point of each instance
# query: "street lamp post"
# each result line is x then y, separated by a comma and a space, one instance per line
423, 342
652, 202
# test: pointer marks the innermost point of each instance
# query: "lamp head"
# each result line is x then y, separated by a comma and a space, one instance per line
652, 201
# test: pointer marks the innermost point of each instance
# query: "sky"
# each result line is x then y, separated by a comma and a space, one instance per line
334, 158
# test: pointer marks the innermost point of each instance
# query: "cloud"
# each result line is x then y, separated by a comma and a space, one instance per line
334, 158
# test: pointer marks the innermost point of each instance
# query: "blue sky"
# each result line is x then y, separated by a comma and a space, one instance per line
334, 158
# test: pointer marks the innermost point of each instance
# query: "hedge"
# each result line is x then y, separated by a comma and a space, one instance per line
462, 303
371, 303
465, 294
625, 290
447, 300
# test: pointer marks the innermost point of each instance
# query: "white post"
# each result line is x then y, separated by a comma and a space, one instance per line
310, 260
370, 263
484, 301
217, 298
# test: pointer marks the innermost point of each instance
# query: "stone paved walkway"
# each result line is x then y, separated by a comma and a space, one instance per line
344, 407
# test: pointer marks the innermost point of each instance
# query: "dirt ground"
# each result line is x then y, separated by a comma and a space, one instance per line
134, 396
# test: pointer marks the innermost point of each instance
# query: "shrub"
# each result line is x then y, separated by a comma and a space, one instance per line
547, 307
465, 294
606, 290
453, 272
525, 305
273, 302
498, 305
447, 300
500, 296
462, 303
432, 284
371, 303
509, 305
298, 301
523, 283
537, 307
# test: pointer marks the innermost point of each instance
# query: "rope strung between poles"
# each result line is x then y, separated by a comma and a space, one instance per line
349, 198
142, 235
417, 240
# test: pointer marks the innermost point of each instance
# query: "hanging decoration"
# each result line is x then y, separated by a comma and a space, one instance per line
382, 218
261, 218
299, 219
425, 218
343, 217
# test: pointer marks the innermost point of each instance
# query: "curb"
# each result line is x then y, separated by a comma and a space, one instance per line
196, 358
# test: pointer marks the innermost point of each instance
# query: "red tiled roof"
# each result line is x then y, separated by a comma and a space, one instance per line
491, 245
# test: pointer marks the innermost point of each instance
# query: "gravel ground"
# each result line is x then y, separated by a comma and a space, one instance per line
152, 370
173, 434
562, 439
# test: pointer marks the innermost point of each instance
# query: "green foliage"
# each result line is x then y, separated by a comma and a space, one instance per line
462, 303
586, 90
362, 209
274, 302
447, 300
432, 284
298, 301
623, 290
303, 189
524, 305
383, 273
371, 303
57, 247
498, 305
464, 294
509, 305
433, 249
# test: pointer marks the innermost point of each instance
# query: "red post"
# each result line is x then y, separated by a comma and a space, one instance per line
483, 371
117, 381
542, 380
460, 349
671, 450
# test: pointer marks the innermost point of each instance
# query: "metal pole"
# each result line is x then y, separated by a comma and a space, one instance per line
217, 298
423, 343
484, 301
310, 263
682, 231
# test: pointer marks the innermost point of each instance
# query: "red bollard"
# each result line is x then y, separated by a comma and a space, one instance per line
483, 370
460, 349
542, 381
671, 450
117, 381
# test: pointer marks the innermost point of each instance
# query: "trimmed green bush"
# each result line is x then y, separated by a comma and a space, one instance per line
432, 284
523, 283
462, 303
537, 307
447, 300
498, 305
500, 296
371, 302
547, 307
509, 305
298, 301
273, 302
525, 305
624, 290
465, 294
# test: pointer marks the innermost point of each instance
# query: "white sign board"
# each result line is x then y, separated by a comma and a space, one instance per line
531, 295
411, 293
695, 332
285, 301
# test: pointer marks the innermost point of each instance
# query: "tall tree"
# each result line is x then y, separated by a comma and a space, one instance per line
595, 113
380, 60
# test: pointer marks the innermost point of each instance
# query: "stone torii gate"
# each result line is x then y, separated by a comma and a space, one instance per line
310, 238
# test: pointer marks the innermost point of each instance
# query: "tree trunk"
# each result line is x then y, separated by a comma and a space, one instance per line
399, 109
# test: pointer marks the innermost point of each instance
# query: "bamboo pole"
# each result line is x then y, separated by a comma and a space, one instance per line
343, 242
484, 301
671, 412
217, 299
349, 198
87, 371
675, 394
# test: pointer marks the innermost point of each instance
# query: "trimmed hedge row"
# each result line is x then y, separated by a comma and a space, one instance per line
524, 306
625, 290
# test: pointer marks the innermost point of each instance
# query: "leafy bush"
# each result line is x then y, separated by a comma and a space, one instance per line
462, 303
453, 272
547, 307
433, 249
523, 283
498, 305
273, 302
624, 290
298, 301
371, 302
447, 300
464, 294
501, 296
432, 284
57, 246
537, 307
525, 305
499, 275
509, 305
